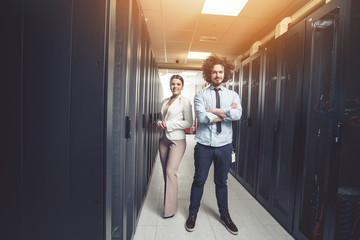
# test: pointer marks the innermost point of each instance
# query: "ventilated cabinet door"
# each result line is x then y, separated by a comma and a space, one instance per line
286, 141
348, 192
253, 126
117, 115
235, 124
265, 170
249, 124
132, 121
243, 143
319, 99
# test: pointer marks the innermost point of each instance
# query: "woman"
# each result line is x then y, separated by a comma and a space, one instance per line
176, 115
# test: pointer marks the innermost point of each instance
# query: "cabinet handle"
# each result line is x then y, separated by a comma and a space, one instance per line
339, 132
249, 123
143, 121
127, 127
277, 125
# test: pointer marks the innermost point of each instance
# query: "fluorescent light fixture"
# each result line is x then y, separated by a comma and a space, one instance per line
223, 7
207, 39
198, 55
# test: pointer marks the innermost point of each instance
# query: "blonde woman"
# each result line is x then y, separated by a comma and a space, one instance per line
176, 115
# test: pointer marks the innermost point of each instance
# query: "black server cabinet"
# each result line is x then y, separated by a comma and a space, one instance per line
54, 78
132, 75
116, 114
132, 89
281, 89
146, 112
267, 127
235, 124
76, 173
253, 124
347, 192
320, 103
287, 145
243, 139
148, 118
248, 145
307, 175
141, 124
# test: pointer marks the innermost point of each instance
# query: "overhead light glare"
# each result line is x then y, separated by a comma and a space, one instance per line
198, 55
225, 7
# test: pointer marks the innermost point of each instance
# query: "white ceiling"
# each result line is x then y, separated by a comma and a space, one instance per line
175, 28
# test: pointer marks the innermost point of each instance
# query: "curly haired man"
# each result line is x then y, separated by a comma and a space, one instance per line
215, 108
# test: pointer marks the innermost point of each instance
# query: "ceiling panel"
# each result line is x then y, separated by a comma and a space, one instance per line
202, 47
183, 46
156, 38
175, 35
175, 26
264, 9
160, 59
204, 33
236, 39
150, 4
176, 54
214, 23
160, 55
184, 21
227, 49
251, 26
153, 19
187, 6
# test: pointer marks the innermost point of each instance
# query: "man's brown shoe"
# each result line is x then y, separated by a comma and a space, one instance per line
190, 222
230, 226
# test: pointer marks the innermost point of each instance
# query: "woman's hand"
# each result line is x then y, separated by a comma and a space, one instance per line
161, 125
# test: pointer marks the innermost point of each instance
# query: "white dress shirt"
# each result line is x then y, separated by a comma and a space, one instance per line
206, 133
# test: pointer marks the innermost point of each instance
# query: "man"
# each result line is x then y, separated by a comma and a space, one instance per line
215, 108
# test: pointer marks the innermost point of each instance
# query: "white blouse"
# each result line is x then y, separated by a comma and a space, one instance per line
178, 117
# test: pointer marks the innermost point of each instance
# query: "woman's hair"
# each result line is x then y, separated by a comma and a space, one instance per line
177, 77
213, 60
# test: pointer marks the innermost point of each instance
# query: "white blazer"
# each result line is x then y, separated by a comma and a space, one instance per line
178, 117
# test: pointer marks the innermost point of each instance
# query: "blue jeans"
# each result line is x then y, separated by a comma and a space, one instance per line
203, 158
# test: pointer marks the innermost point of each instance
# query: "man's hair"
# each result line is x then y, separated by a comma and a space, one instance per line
213, 60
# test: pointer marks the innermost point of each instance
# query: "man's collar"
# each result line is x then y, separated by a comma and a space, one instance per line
212, 87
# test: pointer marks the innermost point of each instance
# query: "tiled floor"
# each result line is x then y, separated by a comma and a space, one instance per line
252, 220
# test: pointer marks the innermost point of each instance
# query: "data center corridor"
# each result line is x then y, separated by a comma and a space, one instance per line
253, 221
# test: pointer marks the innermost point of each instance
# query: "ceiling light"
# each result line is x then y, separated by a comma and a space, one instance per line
207, 39
225, 7
198, 55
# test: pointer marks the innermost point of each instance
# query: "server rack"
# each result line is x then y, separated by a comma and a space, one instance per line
321, 78
77, 172
116, 152
139, 98
235, 86
347, 214
287, 145
307, 174
281, 88
248, 127
241, 155
269, 84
